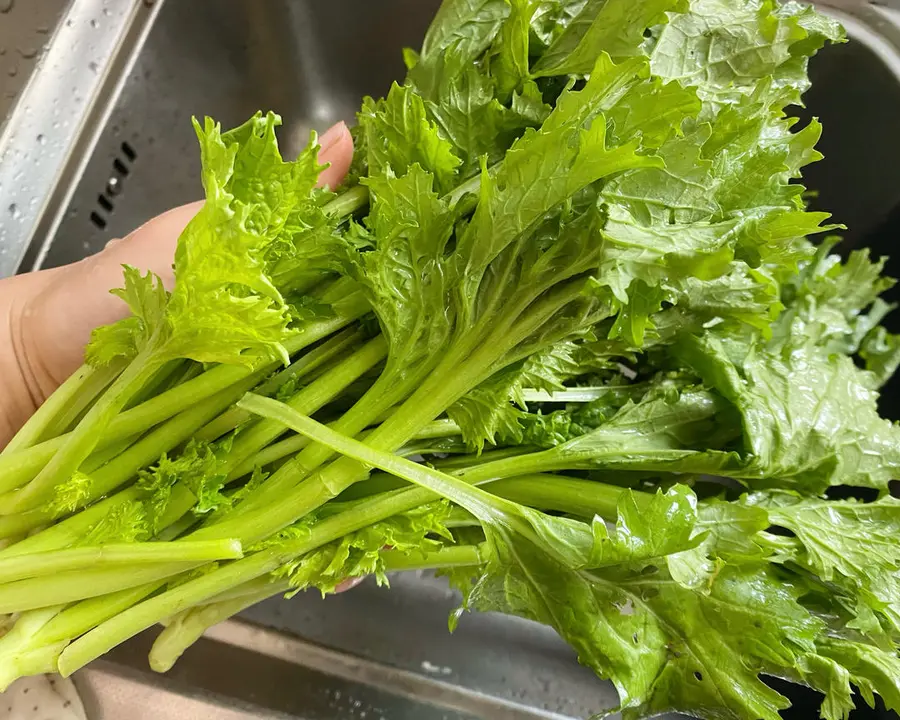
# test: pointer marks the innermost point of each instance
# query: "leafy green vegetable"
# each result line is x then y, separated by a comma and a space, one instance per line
580, 319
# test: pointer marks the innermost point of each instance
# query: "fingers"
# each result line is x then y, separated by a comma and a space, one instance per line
349, 584
59, 316
336, 148
62, 306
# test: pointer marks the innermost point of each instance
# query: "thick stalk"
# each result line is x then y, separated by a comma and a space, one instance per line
80, 617
73, 395
291, 445
123, 467
348, 202
442, 387
469, 461
68, 587
426, 403
194, 592
84, 438
17, 468
301, 367
56, 561
585, 498
149, 448
318, 488
73, 529
312, 397
187, 627
162, 380
19, 657
39, 636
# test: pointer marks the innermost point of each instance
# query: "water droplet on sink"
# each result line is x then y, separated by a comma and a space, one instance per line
94, 23
106, 12
92, 66
2, 51
28, 53
13, 71
41, 140
14, 211
6, 5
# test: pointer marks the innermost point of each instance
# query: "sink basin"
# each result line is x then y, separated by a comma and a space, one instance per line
373, 652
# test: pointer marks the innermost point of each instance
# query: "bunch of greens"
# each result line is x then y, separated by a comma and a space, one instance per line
567, 306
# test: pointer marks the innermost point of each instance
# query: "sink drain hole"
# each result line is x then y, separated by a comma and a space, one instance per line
121, 169
98, 220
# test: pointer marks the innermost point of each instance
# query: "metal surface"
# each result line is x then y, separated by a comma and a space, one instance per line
373, 652
370, 653
25, 31
856, 5
60, 112
254, 671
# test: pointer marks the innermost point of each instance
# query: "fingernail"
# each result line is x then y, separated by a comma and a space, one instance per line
348, 584
331, 136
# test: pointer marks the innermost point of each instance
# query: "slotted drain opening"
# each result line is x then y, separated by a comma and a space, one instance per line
121, 167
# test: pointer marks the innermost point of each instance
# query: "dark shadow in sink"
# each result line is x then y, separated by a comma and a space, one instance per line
857, 98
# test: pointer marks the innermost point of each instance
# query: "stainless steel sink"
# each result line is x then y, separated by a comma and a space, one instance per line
130, 154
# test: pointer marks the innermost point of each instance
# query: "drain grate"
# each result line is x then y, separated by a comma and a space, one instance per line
121, 169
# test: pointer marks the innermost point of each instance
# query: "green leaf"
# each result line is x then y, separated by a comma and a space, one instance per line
664, 424
146, 298
225, 306
728, 47
809, 419
359, 554
657, 527
405, 276
399, 135
546, 166
508, 57
615, 27
665, 647
200, 467
460, 99
833, 679
467, 25
836, 305
551, 18
881, 352
851, 544
871, 669
494, 408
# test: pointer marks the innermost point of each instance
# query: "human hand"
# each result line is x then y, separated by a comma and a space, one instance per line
47, 316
